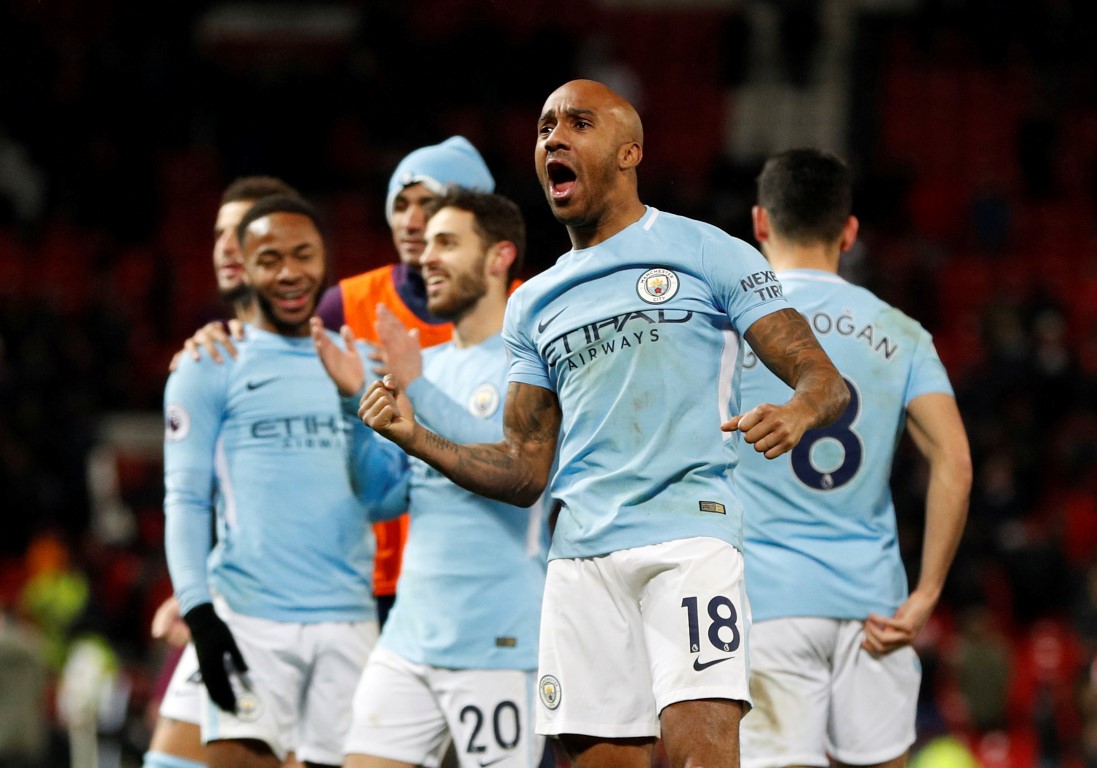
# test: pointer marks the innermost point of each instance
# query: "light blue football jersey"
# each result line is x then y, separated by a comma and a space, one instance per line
820, 525
639, 337
262, 443
473, 572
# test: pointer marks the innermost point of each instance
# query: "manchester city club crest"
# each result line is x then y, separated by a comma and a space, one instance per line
249, 708
484, 401
550, 691
657, 285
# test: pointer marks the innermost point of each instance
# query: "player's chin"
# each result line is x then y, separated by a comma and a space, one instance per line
410, 254
296, 323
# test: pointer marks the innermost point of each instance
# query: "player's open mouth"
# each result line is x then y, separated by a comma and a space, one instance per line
434, 283
293, 300
561, 179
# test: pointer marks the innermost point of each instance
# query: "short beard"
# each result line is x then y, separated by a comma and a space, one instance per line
573, 220
266, 309
467, 290
241, 293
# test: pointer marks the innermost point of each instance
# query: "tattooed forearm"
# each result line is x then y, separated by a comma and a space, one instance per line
489, 469
535, 415
434, 440
488, 458
514, 470
786, 344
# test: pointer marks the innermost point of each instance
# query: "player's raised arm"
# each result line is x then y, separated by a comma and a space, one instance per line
784, 342
515, 470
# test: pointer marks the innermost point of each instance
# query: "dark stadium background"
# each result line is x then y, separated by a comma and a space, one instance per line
972, 128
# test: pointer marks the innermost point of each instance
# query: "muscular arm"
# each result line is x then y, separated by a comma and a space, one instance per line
515, 470
934, 424
784, 342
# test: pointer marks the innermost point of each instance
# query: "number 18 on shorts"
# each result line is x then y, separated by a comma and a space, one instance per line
629, 633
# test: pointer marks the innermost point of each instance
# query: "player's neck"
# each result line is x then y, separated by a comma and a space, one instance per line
481, 321
823, 258
615, 218
244, 309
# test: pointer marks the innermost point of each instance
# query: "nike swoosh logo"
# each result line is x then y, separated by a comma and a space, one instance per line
486, 763
698, 665
256, 384
542, 325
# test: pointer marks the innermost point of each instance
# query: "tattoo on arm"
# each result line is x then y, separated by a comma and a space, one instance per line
534, 417
516, 469
785, 343
443, 444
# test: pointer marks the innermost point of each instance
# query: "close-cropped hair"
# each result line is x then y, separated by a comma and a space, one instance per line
808, 194
279, 204
256, 188
496, 219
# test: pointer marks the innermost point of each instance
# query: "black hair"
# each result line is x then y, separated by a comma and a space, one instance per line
256, 188
808, 194
496, 219
279, 204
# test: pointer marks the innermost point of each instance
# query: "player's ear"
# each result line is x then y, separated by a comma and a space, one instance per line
629, 155
760, 217
500, 256
849, 233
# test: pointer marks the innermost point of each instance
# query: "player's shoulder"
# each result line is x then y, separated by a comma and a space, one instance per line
703, 245
677, 226
833, 305
538, 288
883, 310
661, 219
201, 379
431, 355
535, 284
205, 366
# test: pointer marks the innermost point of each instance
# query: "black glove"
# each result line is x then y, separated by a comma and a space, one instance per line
217, 653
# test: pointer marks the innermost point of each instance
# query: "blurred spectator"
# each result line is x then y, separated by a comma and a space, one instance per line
92, 698
944, 752
23, 723
1043, 691
22, 184
981, 664
55, 595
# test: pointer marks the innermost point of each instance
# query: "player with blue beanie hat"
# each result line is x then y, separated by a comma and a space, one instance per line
454, 161
419, 178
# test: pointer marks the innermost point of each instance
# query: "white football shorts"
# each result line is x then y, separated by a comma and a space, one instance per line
297, 692
817, 692
183, 699
626, 634
408, 712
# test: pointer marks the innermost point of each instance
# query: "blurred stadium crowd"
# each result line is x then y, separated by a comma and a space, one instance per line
972, 126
